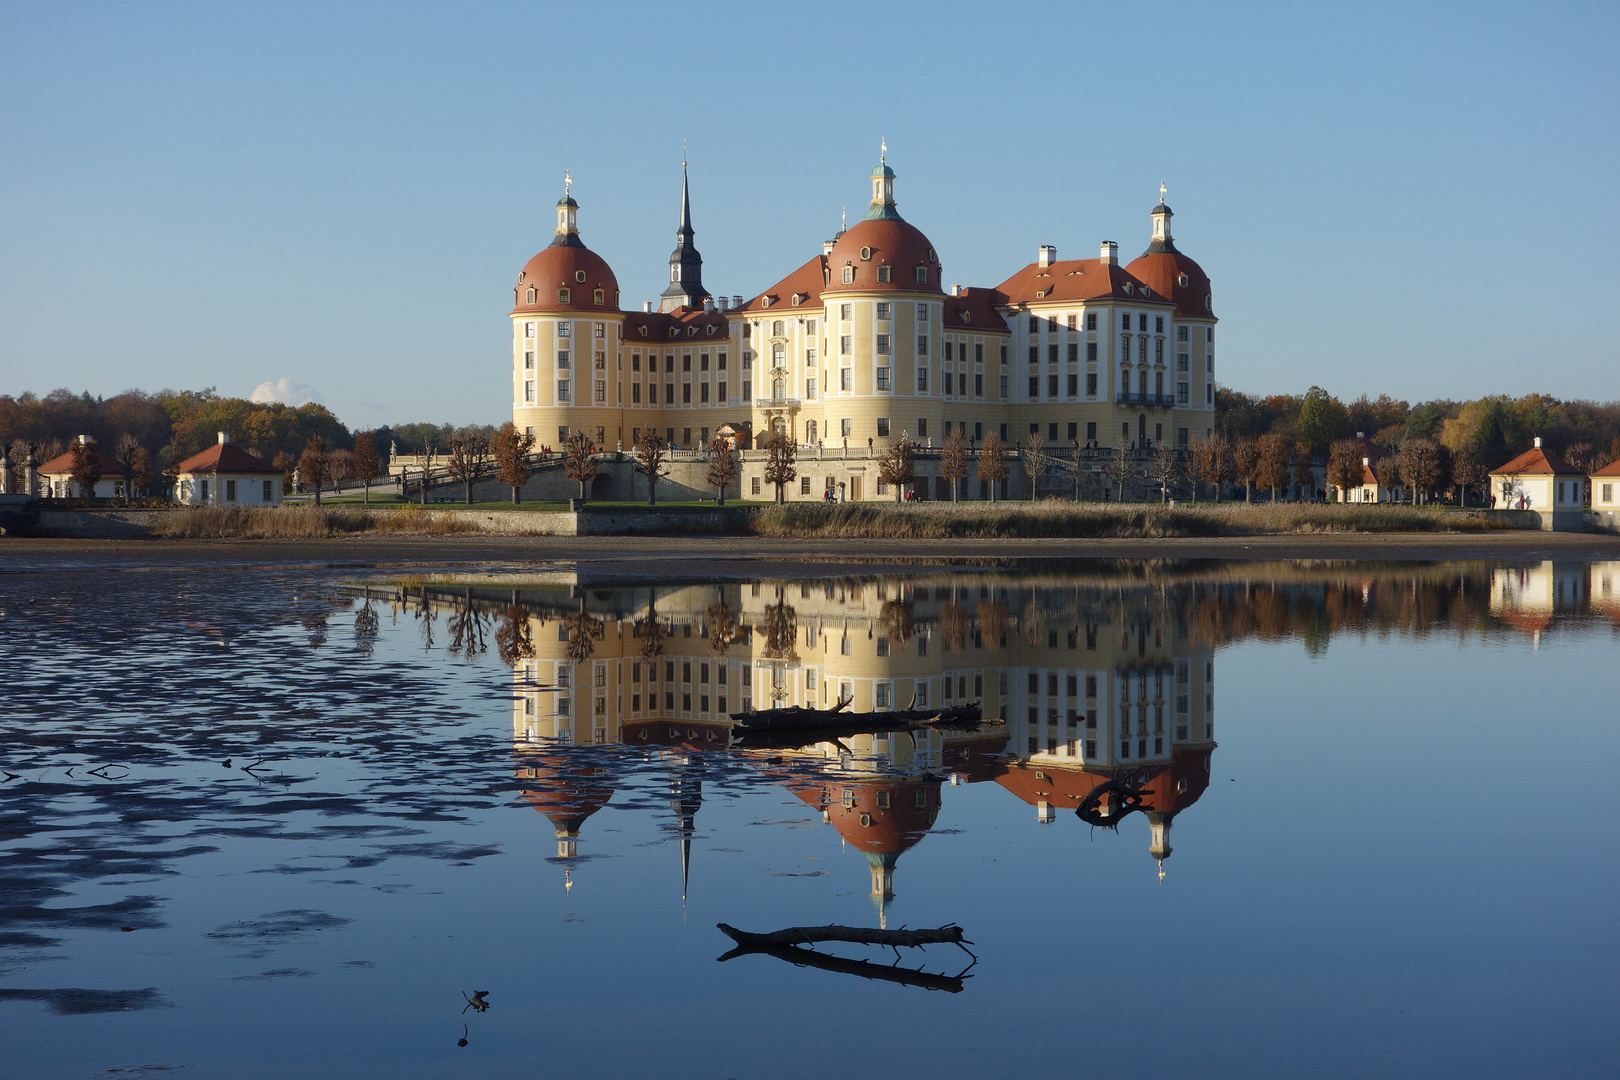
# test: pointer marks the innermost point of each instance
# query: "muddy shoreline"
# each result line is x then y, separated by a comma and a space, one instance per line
673, 558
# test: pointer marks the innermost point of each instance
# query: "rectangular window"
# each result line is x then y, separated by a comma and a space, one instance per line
268, 494
922, 380
922, 344
1091, 384
562, 358
1181, 361
1004, 388
1608, 492
883, 427
748, 390
883, 344
1034, 355
978, 353
601, 390
721, 362
844, 345
1034, 324
753, 485
565, 329
1051, 386
562, 389
804, 489
1074, 352
528, 361
843, 427
882, 311
1034, 386
230, 490
1125, 321
846, 379
1051, 354
1181, 393
844, 311
810, 389
1091, 352
528, 390
882, 378
1141, 321
599, 330
922, 427
978, 385
669, 393
686, 393
1091, 426
703, 393
1074, 383
1072, 319
1181, 333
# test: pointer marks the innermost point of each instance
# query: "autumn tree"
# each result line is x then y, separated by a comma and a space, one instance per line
1246, 464
1305, 470
1036, 461
898, 466
341, 468
1387, 471
1420, 466
651, 460
993, 467
953, 461
579, 460
1164, 468
722, 467
85, 468
511, 449
781, 454
1344, 467
469, 460
141, 477
1208, 463
314, 464
1122, 466
1272, 467
125, 452
365, 462
1466, 472
286, 463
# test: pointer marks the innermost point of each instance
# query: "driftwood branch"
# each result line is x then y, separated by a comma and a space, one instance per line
797, 718
951, 984
805, 935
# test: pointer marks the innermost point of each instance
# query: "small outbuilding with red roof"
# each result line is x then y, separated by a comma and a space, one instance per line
1606, 497
1539, 480
226, 475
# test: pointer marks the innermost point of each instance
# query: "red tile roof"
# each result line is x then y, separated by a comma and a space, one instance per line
682, 324
62, 464
1611, 469
223, 458
1537, 462
1163, 271
559, 267
808, 281
975, 309
899, 245
1072, 280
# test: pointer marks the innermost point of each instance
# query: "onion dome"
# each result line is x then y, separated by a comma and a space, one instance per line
883, 251
567, 275
1168, 272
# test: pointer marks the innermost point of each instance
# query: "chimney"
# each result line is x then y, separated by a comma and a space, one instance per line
826, 247
1538, 441
84, 440
223, 438
736, 301
1047, 255
708, 305
1110, 253
646, 305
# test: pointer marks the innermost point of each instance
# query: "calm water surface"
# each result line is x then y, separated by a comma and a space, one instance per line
1221, 819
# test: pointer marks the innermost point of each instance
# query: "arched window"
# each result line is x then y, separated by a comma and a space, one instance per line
563, 296
883, 275
778, 328
849, 274
600, 297
531, 296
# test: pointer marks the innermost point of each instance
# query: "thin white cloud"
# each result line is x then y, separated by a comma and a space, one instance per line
285, 391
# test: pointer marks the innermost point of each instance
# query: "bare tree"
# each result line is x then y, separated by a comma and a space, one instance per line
1036, 461
469, 459
1272, 468
953, 461
993, 466
1420, 466
898, 466
1387, 471
1304, 471
1246, 464
511, 449
1466, 472
513, 640
579, 460
1344, 467
341, 468
722, 467
141, 477
364, 461
314, 464
125, 451
1164, 468
781, 452
86, 467
1120, 467
652, 460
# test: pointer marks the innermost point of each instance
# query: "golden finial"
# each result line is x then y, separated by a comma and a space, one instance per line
568, 182
1161, 869
1162, 191
883, 151
683, 153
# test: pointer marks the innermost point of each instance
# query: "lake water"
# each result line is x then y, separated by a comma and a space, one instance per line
1219, 819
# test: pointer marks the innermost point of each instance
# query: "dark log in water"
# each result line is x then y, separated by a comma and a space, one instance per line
951, 984
797, 718
805, 935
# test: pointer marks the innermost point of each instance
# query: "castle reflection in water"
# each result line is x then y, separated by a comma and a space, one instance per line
1096, 688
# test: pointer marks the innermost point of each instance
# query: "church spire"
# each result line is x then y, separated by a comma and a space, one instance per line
567, 217
883, 208
685, 264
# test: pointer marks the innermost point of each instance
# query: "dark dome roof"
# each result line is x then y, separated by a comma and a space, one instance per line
898, 244
561, 266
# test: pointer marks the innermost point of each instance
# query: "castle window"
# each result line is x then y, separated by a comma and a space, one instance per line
562, 358
1091, 320
883, 275
528, 360
563, 296
922, 313
883, 344
849, 274
844, 311
922, 275
1072, 319
600, 297
528, 390
531, 297
599, 329
562, 389
844, 345
779, 328
883, 432
1182, 280
882, 378
932, 257
866, 254
579, 276
1158, 324
883, 312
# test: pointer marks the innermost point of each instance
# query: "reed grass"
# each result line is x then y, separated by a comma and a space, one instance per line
302, 522
1054, 518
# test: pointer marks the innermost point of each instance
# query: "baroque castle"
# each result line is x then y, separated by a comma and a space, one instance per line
864, 343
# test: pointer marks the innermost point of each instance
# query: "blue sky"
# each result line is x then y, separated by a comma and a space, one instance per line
1414, 199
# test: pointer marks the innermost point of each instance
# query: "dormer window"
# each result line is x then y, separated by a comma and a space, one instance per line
922, 275
797, 297
691, 331
564, 296
883, 275
866, 254
967, 316
600, 297
1182, 280
643, 330
1128, 289
531, 297
674, 331
579, 275
932, 257
849, 274
711, 331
